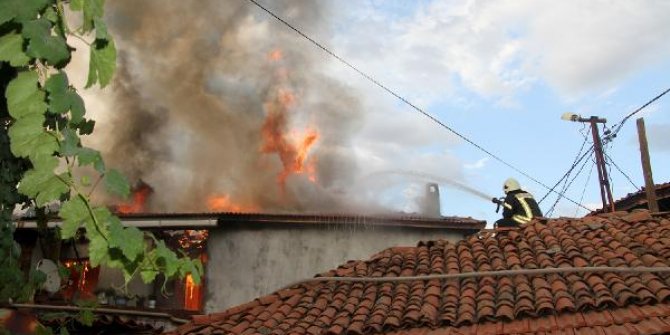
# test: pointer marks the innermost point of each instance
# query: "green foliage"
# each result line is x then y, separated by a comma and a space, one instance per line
11, 50
41, 147
102, 63
117, 183
43, 45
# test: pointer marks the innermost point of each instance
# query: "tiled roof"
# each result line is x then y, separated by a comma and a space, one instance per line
463, 224
639, 199
605, 303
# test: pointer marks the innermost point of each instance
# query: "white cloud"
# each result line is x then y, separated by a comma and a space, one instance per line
496, 48
479, 164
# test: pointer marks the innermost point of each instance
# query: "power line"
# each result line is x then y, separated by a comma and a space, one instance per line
407, 102
618, 126
630, 180
585, 185
566, 187
567, 175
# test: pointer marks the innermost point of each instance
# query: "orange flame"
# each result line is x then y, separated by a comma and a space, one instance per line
140, 194
292, 150
222, 203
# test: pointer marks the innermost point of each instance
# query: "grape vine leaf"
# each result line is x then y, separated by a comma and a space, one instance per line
43, 45
41, 183
11, 50
129, 240
20, 9
24, 96
74, 213
102, 63
117, 183
93, 9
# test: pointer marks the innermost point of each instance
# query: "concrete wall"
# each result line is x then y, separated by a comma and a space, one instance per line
252, 260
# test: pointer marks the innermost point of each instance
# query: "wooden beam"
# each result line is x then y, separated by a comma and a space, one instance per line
649, 186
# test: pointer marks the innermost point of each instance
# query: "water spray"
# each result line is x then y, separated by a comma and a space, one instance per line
430, 177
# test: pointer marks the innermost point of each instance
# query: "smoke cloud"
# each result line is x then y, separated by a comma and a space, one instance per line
194, 88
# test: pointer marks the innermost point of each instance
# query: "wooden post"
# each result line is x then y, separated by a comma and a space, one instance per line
646, 167
605, 190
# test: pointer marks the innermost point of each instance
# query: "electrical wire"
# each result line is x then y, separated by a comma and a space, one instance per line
585, 185
630, 180
567, 174
407, 102
619, 125
478, 274
567, 186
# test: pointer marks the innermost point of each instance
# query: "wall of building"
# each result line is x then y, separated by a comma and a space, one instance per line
252, 260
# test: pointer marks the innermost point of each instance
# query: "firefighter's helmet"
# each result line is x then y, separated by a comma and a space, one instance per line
511, 184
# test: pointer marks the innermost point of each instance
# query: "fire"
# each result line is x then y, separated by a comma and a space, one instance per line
292, 146
140, 194
293, 150
222, 203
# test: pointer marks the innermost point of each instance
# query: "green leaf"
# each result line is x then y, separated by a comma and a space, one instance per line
20, 9
129, 239
69, 146
86, 317
24, 96
93, 9
98, 250
50, 14
43, 45
77, 109
28, 138
57, 83
63, 330
117, 183
167, 259
148, 275
101, 30
76, 5
41, 183
11, 50
102, 63
88, 156
74, 213
85, 126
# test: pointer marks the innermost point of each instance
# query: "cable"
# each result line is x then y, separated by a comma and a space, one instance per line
567, 174
618, 126
630, 180
478, 274
407, 102
566, 187
585, 185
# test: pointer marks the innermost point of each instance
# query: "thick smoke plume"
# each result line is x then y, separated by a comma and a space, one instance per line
196, 83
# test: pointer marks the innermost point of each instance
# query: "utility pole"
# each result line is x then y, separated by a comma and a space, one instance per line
649, 186
603, 179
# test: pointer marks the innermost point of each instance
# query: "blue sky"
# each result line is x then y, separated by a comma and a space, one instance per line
502, 73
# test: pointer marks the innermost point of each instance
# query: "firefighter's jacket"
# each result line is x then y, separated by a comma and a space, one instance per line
521, 207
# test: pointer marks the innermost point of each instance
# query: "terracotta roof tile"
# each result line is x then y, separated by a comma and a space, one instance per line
570, 303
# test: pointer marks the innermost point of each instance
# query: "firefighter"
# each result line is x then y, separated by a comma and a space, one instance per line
519, 206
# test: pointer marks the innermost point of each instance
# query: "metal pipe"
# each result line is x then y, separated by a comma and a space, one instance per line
477, 274
103, 310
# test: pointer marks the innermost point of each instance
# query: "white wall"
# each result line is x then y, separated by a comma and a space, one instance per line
246, 262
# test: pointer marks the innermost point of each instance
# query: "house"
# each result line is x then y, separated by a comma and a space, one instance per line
638, 200
544, 287
245, 255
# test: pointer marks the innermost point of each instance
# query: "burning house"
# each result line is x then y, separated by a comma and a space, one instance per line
245, 255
